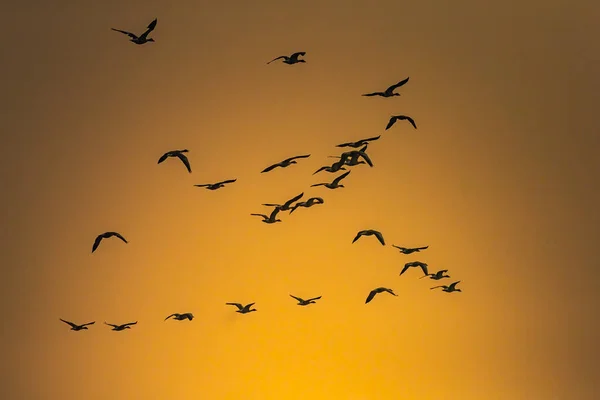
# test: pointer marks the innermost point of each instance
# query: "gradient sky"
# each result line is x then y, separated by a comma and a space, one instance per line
500, 180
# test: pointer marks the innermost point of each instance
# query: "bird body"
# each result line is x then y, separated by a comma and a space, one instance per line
143, 38
410, 250
449, 288
75, 327
106, 235
302, 302
215, 186
285, 163
179, 154
415, 264
389, 92
370, 232
379, 290
181, 317
395, 118
335, 184
121, 327
293, 59
242, 309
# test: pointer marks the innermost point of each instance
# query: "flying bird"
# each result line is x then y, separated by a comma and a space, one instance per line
410, 250
352, 157
335, 183
328, 168
308, 203
181, 317
287, 205
437, 276
242, 309
215, 186
369, 232
450, 288
121, 327
350, 161
415, 264
293, 59
302, 302
106, 235
179, 154
358, 143
75, 327
285, 163
389, 92
395, 118
143, 38
271, 218
379, 290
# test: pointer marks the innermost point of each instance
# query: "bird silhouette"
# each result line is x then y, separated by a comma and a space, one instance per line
181, 317
437, 276
293, 59
410, 250
358, 143
121, 327
369, 232
143, 38
308, 203
395, 118
450, 288
373, 292
75, 327
415, 264
215, 186
271, 219
285, 163
389, 92
106, 235
287, 205
242, 309
179, 154
335, 184
302, 302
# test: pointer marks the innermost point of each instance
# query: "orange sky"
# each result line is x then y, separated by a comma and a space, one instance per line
500, 180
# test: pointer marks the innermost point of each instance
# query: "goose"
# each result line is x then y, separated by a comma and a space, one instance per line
358, 143
378, 290
352, 161
106, 235
271, 218
415, 264
450, 288
121, 327
308, 203
181, 317
410, 250
75, 327
143, 38
287, 205
395, 118
302, 302
328, 168
369, 232
179, 154
437, 276
215, 186
334, 184
285, 163
293, 59
353, 157
389, 92
242, 309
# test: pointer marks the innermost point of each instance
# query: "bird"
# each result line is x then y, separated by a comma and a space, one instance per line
179, 154
293, 59
450, 288
271, 218
437, 276
378, 290
410, 250
106, 235
308, 203
328, 168
389, 92
181, 317
285, 163
358, 143
287, 205
352, 156
350, 161
143, 38
417, 264
75, 327
121, 327
334, 184
395, 118
242, 309
215, 186
302, 302
369, 232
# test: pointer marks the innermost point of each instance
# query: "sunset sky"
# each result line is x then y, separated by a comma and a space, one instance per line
500, 180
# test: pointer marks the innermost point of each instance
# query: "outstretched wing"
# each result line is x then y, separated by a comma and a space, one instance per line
397, 85
89, 323
295, 157
391, 122
292, 200
424, 268
358, 235
373, 94
185, 161
314, 298
321, 169
114, 326
339, 178
275, 59
204, 185
371, 296
371, 139
422, 248
271, 167
365, 156
164, 157
295, 55
69, 323
238, 305
131, 35
406, 266
399, 248
96, 243
274, 213
227, 181
150, 28
379, 237
297, 298
435, 287
172, 315
130, 323
260, 215
453, 285
117, 234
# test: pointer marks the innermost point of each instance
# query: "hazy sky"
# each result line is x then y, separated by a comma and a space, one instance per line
500, 180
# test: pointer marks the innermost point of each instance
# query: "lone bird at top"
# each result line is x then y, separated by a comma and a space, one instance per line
415, 264
287, 205
335, 184
358, 143
242, 309
410, 250
215, 186
285, 163
378, 290
293, 59
450, 288
389, 92
437, 276
75, 327
370, 232
302, 302
121, 327
181, 317
271, 219
106, 235
179, 154
395, 118
143, 38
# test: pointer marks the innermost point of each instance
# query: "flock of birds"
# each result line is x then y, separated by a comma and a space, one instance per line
349, 158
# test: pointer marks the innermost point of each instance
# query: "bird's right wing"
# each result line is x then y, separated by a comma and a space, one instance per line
131, 35
435, 287
371, 139
203, 185
390, 123
370, 296
365, 156
68, 323
275, 59
238, 305
130, 323
260, 215
397, 85
407, 266
274, 212
114, 326
228, 181
172, 315
290, 201
372, 94
164, 157
358, 235
314, 298
339, 178
297, 298
117, 234
185, 161
270, 168
96, 242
